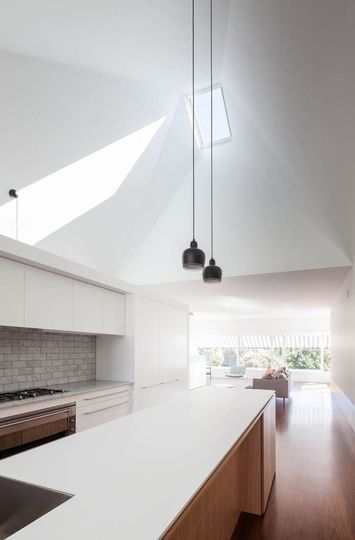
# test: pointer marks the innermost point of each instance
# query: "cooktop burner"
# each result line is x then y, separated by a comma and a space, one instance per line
28, 393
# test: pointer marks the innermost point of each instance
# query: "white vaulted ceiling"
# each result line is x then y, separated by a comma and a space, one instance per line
287, 295
79, 76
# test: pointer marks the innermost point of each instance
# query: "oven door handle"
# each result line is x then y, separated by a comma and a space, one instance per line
34, 417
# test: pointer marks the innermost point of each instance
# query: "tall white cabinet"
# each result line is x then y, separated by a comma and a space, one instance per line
162, 374
154, 353
147, 342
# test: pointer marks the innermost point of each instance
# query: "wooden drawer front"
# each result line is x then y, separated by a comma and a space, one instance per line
100, 413
121, 392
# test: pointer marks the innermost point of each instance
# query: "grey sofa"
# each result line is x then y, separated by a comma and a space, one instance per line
282, 387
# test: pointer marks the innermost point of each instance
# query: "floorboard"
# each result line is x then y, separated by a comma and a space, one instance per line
313, 496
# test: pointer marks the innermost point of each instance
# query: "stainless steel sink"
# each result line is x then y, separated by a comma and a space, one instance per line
22, 503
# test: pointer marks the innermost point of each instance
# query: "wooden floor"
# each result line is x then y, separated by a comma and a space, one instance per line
313, 497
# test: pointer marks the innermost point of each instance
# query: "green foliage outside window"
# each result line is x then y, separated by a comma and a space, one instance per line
264, 358
261, 358
214, 356
303, 358
326, 360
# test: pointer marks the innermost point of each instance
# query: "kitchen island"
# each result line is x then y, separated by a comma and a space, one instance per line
164, 472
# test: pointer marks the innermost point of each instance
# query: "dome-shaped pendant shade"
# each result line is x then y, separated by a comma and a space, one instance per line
193, 257
212, 273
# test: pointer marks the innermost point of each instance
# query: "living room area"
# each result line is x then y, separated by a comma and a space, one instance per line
292, 343
289, 332
251, 327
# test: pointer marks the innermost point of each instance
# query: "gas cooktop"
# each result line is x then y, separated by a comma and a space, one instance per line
28, 393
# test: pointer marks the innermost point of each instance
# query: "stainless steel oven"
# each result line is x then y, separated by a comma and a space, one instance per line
23, 431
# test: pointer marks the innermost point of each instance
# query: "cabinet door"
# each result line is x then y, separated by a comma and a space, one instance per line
147, 342
166, 343
181, 343
150, 396
12, 280
113, 313
86, 308
48, 300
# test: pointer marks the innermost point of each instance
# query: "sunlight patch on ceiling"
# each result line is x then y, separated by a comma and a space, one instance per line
54, 201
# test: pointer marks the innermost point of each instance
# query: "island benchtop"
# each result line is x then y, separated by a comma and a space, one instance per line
132, 477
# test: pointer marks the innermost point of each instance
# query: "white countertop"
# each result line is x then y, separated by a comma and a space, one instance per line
133, 476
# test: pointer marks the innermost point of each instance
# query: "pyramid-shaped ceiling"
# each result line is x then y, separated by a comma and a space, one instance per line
283, 184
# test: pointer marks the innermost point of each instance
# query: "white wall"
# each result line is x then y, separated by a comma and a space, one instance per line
343, 346
261, 326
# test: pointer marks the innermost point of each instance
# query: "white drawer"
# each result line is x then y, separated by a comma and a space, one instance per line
100, 413
121, 392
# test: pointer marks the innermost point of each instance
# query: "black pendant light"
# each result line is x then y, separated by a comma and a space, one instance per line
212, 273
193, 258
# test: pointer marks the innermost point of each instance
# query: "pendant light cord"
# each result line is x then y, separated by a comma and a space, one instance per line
16, 201
193, 119
211, 68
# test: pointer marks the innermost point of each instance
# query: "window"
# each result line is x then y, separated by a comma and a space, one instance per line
216, 356
221, 128
262, 351
54, 201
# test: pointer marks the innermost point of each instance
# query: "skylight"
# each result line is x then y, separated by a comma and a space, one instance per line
221, 126
54, 201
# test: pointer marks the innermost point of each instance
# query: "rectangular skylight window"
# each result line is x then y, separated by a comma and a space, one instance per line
221, 128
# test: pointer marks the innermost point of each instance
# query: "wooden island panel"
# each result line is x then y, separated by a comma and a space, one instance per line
241, 483
268, 426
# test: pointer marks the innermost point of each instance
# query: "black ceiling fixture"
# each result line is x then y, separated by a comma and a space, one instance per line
212, 273
193, 258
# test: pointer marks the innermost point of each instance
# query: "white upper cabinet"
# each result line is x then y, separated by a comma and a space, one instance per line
113, 312
86, 307
12, 292
147, 342
48, 300
36, 298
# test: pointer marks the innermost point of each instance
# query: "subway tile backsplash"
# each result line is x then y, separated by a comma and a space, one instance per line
34, 358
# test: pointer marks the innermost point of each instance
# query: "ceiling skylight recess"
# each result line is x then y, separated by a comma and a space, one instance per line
221, 127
